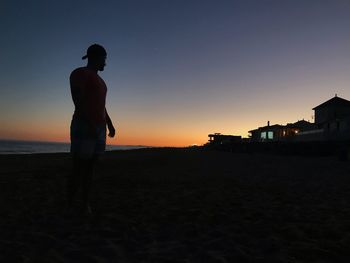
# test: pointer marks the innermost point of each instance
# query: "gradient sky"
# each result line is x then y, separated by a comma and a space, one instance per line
176, 70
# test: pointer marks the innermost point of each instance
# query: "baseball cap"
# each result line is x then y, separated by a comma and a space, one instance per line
95, 50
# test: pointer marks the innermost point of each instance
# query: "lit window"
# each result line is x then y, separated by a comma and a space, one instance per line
270, 135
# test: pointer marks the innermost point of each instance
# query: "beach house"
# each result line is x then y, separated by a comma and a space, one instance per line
332, 122
279, 132
218, 139
333, 118
267, 133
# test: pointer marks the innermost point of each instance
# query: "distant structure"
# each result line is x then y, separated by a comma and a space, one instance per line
332, 122
332, 110
333, 116
267, 133
280, 132
218, 139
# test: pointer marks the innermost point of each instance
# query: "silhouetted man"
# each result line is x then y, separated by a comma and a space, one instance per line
88, 126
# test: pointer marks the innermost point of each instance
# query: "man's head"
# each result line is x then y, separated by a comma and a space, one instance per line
96, 55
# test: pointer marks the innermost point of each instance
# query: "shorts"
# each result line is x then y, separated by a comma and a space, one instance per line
83, 145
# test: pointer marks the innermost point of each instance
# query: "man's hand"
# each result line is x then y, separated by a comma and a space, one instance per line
111, 130
110, 126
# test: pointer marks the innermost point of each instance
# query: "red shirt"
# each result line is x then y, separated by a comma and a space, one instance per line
89, 95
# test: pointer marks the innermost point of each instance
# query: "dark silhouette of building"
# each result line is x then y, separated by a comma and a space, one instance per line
267, 133
333, 117
334, 109
332, 122
280, 132
218, 139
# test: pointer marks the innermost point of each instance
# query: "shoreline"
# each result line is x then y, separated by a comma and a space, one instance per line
9, 147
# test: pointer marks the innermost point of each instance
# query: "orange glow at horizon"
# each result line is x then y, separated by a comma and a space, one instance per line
60, 133
138, 131
118, 140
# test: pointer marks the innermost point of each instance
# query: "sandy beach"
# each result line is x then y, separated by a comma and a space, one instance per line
178, 205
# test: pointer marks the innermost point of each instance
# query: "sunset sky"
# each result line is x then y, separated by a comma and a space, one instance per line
176, 70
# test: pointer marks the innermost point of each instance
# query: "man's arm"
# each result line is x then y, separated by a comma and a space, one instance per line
110, 125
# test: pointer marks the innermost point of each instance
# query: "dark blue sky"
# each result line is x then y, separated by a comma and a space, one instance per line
176, 70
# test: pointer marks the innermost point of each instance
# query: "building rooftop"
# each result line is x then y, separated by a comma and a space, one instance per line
334, 101
268, 127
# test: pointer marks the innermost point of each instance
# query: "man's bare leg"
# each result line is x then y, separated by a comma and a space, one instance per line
89, 167
73, 182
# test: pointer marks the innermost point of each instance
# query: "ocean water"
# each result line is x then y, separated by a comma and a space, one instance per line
30, 147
